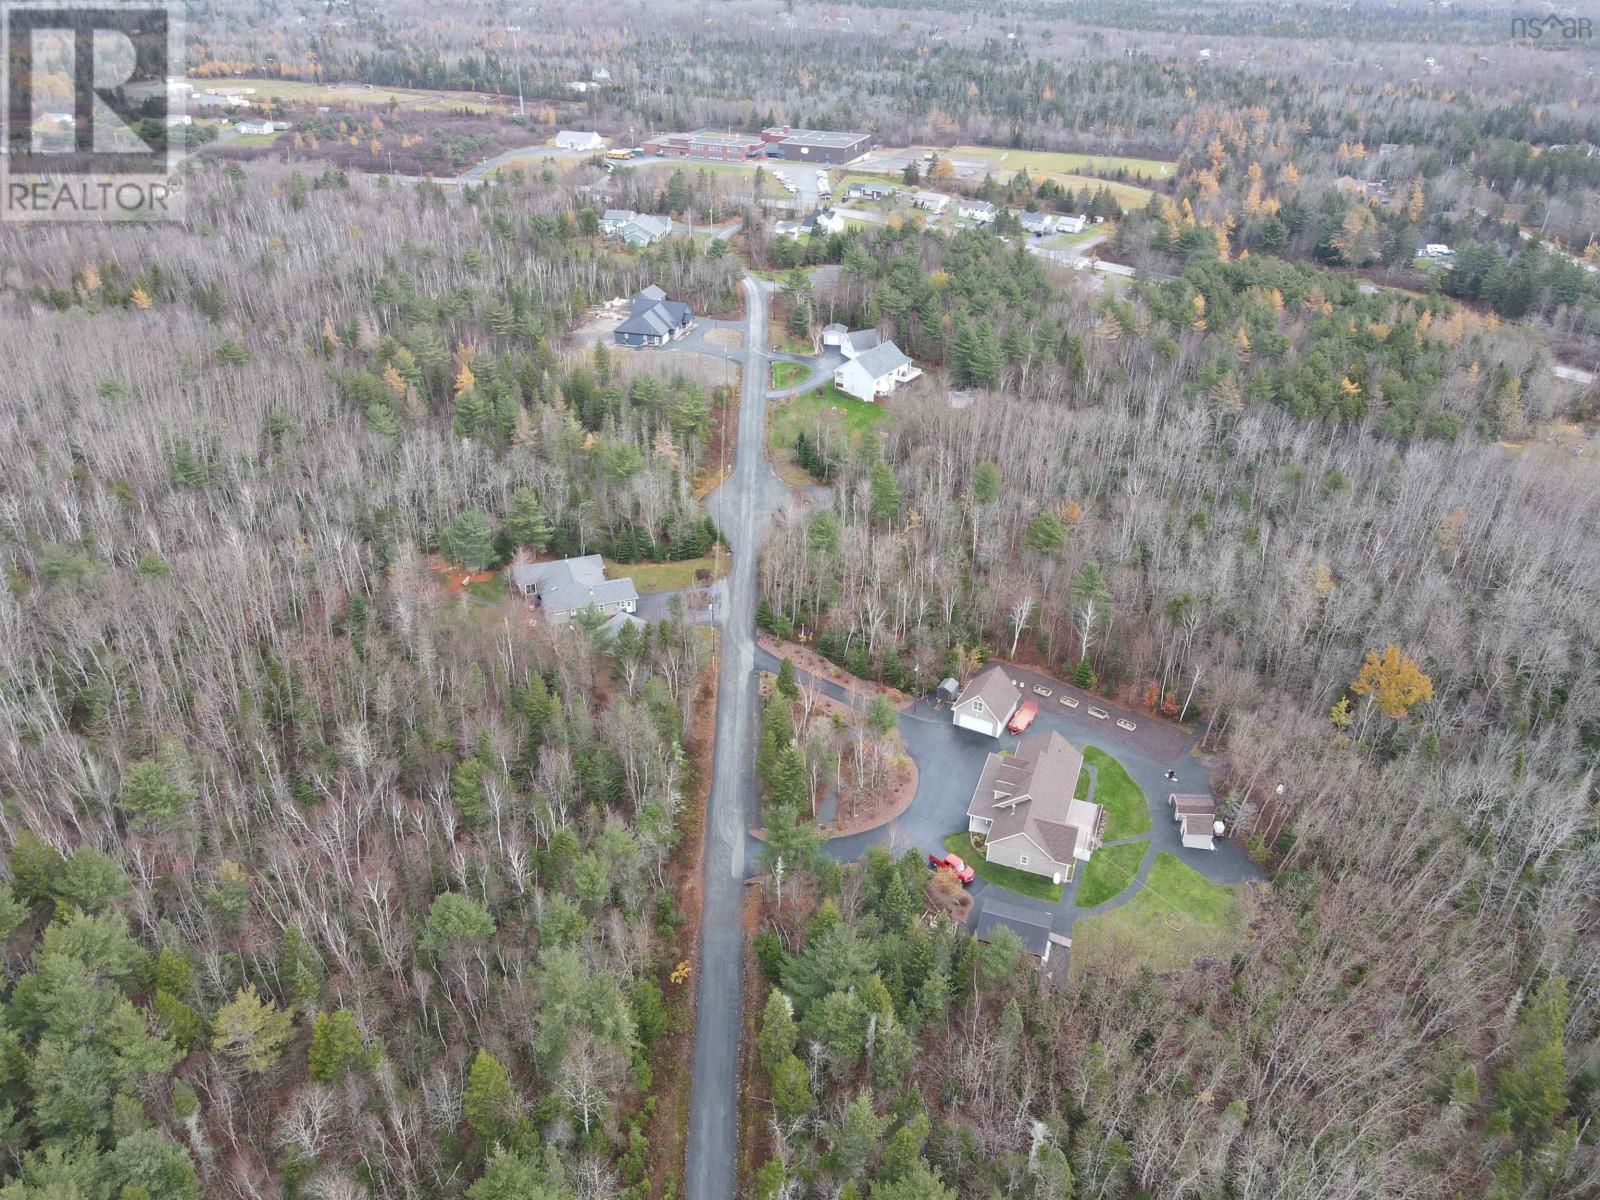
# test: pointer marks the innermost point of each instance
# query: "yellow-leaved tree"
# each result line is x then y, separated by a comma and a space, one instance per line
1393, 681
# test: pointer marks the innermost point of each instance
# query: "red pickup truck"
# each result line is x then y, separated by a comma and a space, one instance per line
952, 862
1023, 717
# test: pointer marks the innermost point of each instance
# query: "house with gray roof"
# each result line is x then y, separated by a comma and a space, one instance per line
986, 703
613, 219
568, 586
875, 373
858, 341
1036, 223
653, 320
1031, 925
645, 230
1027, 809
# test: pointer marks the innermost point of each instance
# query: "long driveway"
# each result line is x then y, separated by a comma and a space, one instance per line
742, 506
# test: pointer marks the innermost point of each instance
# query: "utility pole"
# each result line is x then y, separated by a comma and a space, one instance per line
522, 107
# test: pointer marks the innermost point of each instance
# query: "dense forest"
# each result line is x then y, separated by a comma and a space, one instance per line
328, 873
324, 880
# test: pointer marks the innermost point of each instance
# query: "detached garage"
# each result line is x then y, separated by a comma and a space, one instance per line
986, 704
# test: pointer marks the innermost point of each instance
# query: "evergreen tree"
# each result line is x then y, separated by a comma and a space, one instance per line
776, 1041
886, 498
468, 541
336, 1046
487, 1100
251, 1030
526, 523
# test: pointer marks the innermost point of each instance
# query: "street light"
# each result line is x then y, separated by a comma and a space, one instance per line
522, 107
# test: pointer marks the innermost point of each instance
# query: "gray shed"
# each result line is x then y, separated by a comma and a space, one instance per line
949, 691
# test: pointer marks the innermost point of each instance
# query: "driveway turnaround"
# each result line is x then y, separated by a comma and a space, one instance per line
949, 761
742, 506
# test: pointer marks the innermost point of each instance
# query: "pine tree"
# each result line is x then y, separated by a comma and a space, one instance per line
488, 1102
467, 541
251, 1030
776, 1041
336, 1046
886, 497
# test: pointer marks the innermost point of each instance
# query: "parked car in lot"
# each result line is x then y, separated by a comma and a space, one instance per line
1124, 723
1099, 714
952, 862
1023, 717
1039, 689
1070, 701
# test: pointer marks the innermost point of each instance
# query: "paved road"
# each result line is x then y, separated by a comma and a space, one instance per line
742, 507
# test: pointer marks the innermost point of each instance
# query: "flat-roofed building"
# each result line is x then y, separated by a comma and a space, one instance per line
703, 143
815, 145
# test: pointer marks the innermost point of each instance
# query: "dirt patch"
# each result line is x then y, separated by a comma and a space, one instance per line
726, 339
668, 1127
813, 664
453, 577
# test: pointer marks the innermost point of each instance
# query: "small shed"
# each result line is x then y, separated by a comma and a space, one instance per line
949, 691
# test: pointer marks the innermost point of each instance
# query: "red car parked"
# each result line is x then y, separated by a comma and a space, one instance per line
952, 862
1024, 716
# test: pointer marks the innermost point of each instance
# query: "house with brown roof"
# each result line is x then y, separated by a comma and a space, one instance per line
1027, 809
986, 703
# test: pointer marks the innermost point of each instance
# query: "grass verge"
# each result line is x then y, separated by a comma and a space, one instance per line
1109, 871
1178, 917
804, 412
1127, 809
788, 374
667, 576
1024, 883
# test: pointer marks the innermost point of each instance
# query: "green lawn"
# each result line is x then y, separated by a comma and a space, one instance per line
788, 374
493, 590
1062, 241
251, 141
1024, 883
1178, 917
1110, 870
666, 576
789, 343
789, 417
1127, 810
1051, 162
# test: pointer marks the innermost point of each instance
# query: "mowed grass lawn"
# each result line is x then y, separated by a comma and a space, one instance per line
666, 576
1024, 883
1061, 163
788, 374
1178, 916
323, 93
798, 413
1109, 871
1127, 810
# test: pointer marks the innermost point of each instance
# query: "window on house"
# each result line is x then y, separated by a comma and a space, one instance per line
1022, 860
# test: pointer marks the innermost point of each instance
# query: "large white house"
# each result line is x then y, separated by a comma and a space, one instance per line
1027, 809
576, 139
875, 372
986, 703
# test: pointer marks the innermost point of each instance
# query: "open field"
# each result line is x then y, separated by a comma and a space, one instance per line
1051, 162
790, 417
667, 576
353, 95
1127, 810
1178, 917
251, 141
1109, 871
1024, 883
